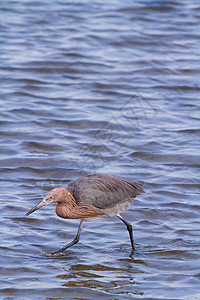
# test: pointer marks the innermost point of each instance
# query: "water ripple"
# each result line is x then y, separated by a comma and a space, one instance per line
107, 87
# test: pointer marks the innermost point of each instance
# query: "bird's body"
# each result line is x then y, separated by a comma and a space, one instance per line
92, 196
105, 193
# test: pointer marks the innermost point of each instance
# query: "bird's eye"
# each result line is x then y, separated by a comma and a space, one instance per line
50, 197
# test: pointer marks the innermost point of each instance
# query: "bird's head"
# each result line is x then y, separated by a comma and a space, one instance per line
53, 196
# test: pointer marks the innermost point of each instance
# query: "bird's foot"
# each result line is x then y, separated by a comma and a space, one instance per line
55, 254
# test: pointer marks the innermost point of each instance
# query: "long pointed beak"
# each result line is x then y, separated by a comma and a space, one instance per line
39, 205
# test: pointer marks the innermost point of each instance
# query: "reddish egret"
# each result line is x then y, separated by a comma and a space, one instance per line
91, 196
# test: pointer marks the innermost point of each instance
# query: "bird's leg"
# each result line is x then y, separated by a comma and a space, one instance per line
73, 242
130, 231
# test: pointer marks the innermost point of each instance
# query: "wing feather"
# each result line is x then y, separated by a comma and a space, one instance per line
103, 191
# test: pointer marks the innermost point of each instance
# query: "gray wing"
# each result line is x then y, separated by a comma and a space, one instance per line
103, 191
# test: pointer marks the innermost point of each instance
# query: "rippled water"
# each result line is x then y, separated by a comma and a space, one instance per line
102, 87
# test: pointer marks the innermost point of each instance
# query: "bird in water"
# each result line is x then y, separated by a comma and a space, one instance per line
90, 197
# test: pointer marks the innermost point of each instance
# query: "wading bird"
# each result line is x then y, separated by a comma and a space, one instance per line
90, 197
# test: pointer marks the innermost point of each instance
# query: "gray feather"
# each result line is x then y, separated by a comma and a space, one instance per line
104, 191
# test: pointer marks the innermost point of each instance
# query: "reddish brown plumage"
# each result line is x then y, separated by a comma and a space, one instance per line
67, 207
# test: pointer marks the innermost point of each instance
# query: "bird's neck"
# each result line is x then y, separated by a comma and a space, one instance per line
68, 209
66, 206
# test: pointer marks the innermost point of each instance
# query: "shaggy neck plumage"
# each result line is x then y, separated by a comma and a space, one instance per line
67, 208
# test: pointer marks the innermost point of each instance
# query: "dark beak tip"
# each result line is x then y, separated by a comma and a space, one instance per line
34, 208
30, 211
